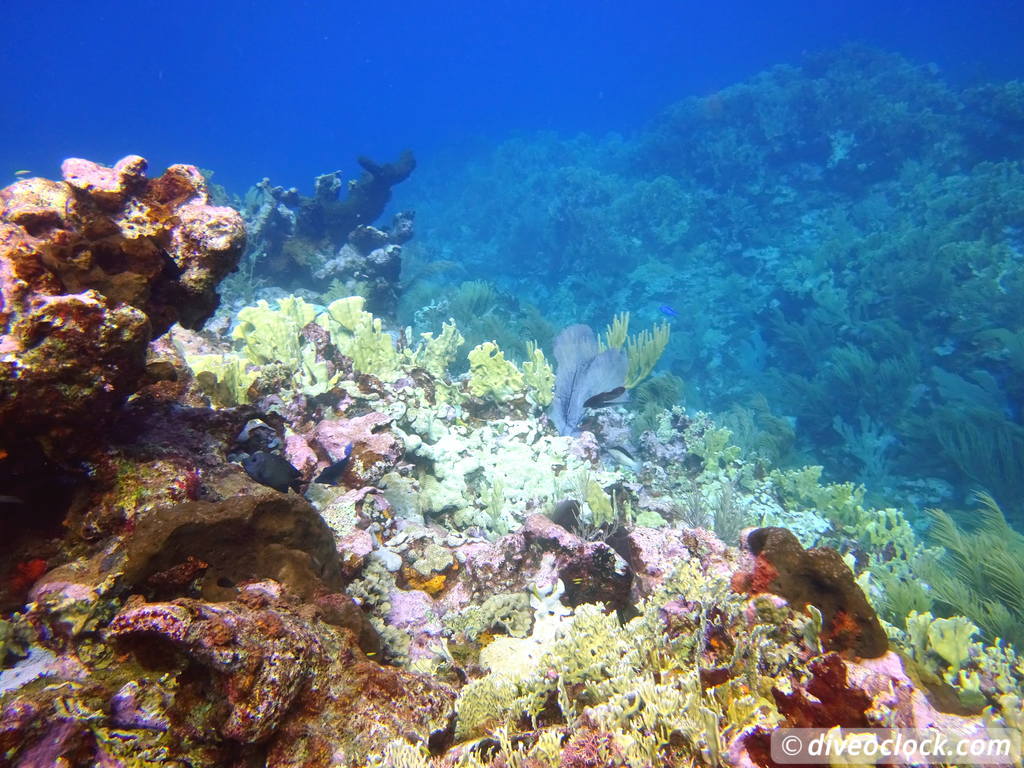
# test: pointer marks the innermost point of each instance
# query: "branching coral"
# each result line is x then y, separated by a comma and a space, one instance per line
643, 350
302, 343
981, 674
645, 688
538, 376
436, 353
272, 334
360, 335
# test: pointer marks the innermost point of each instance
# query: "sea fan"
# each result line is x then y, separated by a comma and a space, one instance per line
585, 377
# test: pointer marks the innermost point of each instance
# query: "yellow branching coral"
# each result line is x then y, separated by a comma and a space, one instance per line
643, 350
274, 335
225, 379
435, 354
538, 376
636, 683
617, 333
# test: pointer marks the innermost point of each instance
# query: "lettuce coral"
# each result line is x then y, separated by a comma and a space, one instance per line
360, 335
491, 375
435, 353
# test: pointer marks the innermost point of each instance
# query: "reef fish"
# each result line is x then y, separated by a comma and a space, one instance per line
270, 469
623, 458
666, 310
332, 474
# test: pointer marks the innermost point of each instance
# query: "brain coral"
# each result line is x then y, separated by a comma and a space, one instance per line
91, 269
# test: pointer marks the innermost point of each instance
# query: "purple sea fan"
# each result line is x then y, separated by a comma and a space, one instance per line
585, 378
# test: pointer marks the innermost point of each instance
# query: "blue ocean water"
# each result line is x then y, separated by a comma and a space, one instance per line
291, 90
560, 160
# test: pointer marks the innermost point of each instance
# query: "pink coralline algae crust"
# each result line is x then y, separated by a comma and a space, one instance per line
299, 454
896, 700
353, 550
375, 450
91, 269
414, 610
538, 554
655, 552
873, 693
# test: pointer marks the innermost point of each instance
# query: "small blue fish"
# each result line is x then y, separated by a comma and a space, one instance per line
666, 310
332, 474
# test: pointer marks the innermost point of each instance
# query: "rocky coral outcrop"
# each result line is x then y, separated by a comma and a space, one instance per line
372, 449
330, 239
817, 577
91, 269
541, 553
655, 553
207, 549
260, 678
876, 693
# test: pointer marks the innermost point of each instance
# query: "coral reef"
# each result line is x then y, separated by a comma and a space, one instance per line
92, 268
838, 239
471, 587
460, 556
328, 241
